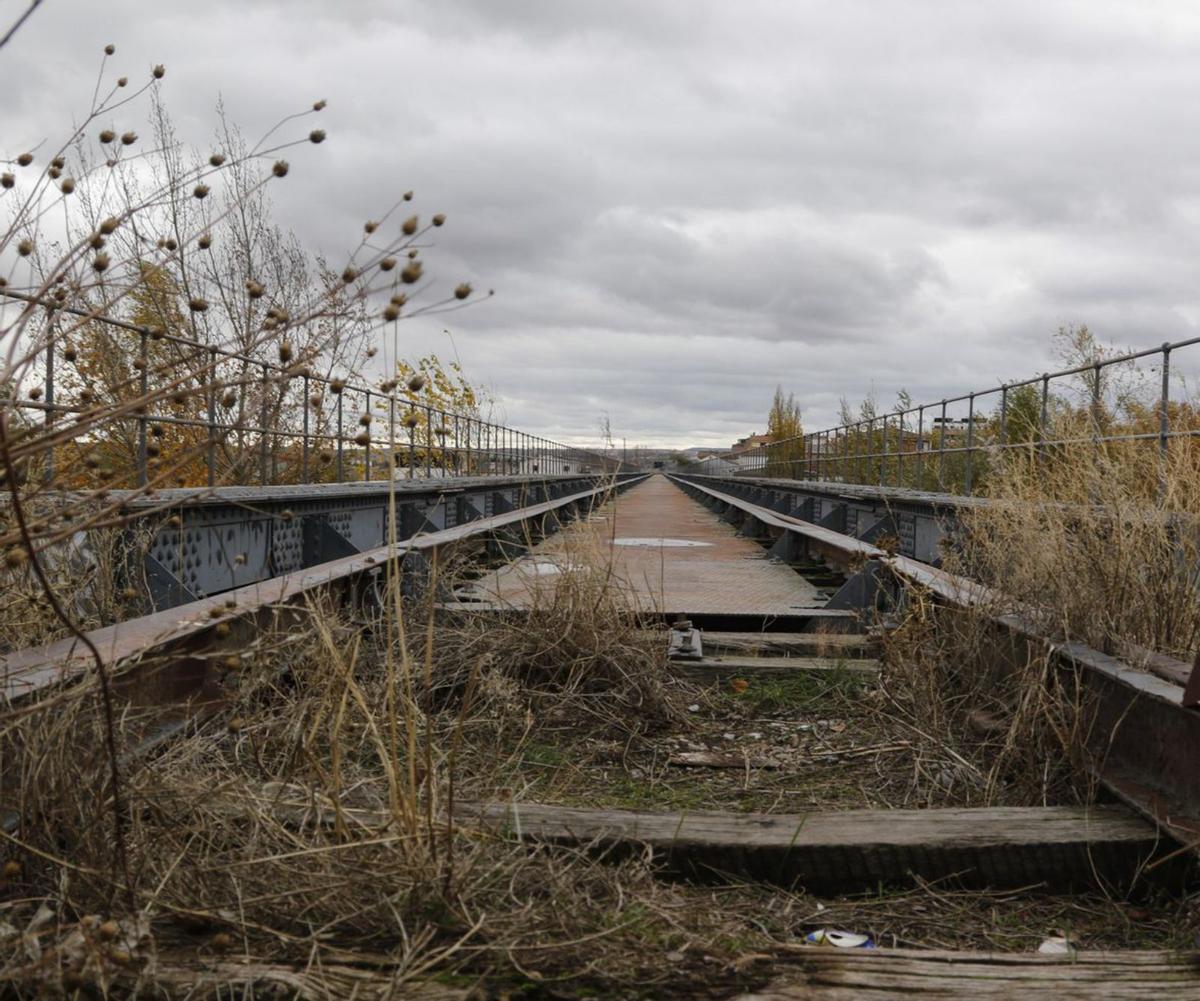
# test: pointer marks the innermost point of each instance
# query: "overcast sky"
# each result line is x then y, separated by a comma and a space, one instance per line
681, 203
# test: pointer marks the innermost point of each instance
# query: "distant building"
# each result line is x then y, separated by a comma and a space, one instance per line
751, 441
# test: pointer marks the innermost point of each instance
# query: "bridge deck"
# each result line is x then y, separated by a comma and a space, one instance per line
673, 555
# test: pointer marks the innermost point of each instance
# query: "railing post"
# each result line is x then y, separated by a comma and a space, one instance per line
970, 442
211, 452
878, 455
428, 443
1044, 414
858, 452
143, 473
1164, 422
1003, 415
942, 451
273, 441
367, 446
920, 447
304, 436
900, 449
262, 431
48, 384
870, 454
340, 466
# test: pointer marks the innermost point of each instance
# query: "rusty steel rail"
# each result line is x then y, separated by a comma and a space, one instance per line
1143, 740
210, 541
185, 628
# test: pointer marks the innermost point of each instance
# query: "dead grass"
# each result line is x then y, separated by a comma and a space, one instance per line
1085, 542
1099, 542
293, 839
996, 723
575, 655
301, 819
92, 577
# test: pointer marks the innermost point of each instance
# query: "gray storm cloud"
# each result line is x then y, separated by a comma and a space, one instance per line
681, 204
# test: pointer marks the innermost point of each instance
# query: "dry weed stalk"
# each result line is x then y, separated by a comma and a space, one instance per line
158, 330
94, 253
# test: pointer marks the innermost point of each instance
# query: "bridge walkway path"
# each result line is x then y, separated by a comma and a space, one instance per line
670, 553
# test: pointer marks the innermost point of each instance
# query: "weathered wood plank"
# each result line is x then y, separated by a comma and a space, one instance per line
217, 978
856, 849
817, 618
824, 851
824, 974
712, 669
812, 644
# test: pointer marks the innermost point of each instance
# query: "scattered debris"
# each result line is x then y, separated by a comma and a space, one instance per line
1057, 945
716, 759
839, 939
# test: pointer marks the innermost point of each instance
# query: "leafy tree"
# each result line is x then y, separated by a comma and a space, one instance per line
783, 420
444, 417
103, 365
1023, 420
785, 453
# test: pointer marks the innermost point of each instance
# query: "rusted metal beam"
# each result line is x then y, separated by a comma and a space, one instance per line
186, 627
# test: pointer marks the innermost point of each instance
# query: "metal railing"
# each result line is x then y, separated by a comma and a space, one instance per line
287, 423
946, 445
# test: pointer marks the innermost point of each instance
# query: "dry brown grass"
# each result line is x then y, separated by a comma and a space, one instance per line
1088, 542
92, 574
1100, 543
577, 653
304, 818
995, 721
294, 841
